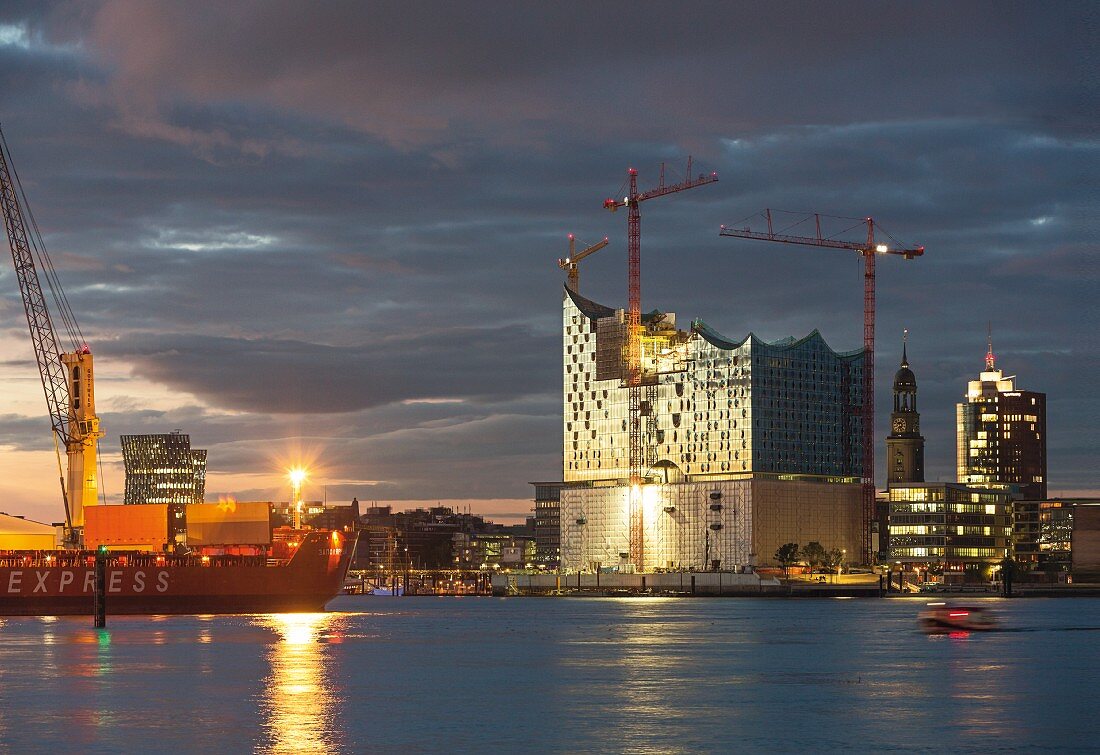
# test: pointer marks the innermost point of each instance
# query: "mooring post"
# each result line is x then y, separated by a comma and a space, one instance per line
100, 594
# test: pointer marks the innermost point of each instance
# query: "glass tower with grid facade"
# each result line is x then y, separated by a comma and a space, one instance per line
1001, 434
960, 530
163, 469
714, 411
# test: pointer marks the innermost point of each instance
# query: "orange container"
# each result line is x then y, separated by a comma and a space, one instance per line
229, 523
141, 526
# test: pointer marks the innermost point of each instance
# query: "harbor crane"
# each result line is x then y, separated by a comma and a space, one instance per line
67, 376
569, 264
868, 250
633, 362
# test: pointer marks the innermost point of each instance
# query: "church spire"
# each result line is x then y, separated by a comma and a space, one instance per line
904, 343
989, 354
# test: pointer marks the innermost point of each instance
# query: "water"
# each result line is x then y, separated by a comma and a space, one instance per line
555, 675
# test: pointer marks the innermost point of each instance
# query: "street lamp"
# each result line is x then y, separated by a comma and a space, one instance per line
297, 477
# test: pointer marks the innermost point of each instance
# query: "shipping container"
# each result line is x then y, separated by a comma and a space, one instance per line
139, 526
228, 523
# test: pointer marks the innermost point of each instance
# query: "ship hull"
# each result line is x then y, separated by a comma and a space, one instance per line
151, 584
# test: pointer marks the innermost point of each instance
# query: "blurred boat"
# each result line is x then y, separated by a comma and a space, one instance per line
946, 617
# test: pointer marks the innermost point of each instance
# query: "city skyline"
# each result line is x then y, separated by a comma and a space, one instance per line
330, 235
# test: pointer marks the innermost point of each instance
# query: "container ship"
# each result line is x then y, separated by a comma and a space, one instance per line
301, 574
175, 557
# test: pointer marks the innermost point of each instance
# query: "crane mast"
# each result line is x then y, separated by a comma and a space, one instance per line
633, 360
67, 376
868, 251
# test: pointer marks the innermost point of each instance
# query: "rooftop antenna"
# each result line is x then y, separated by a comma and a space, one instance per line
989, 353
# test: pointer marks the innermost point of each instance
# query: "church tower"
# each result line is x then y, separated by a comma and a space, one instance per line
904, 445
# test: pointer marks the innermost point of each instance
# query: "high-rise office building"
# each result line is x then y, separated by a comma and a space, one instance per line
548, 524
1001, 434
163, 469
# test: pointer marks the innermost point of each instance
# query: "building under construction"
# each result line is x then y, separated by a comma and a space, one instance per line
748, 444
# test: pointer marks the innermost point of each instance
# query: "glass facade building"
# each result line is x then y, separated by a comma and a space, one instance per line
163, 469
1069, 536
714, 408
1001, 434
548, 523
958, 529
718, 415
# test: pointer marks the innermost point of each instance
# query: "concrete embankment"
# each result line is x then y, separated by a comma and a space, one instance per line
686, 584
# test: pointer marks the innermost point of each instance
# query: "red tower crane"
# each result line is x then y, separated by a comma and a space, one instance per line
633, 361
868, 250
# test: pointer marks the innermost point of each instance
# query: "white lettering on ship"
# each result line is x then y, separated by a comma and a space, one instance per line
117, 581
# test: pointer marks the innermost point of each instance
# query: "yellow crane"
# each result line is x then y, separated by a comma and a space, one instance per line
569, 264
67, 376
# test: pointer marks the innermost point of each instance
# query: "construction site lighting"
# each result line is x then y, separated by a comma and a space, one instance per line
882, 248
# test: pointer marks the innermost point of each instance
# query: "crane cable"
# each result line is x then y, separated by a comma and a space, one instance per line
53, 282
64, 493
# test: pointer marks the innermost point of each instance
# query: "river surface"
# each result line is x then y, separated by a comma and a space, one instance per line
407, 675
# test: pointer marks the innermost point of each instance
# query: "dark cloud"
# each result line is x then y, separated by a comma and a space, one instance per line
283, 209
293, 377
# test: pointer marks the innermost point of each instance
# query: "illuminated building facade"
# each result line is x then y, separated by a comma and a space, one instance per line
1001, 434
1069, 536
729, 428
163, 469
548, 524
958, 529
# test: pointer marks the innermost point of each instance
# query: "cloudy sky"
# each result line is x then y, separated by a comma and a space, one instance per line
329, 232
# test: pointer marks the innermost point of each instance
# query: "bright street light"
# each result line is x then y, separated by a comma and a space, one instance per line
297, 477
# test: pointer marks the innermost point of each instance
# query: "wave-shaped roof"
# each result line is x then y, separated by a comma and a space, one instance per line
712, 336
589, 308
595, 311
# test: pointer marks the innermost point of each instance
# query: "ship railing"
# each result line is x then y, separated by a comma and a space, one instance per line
86, 559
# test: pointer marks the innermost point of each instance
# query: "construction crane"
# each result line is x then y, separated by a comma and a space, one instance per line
67, 377
633, 361
569, 264
868, 249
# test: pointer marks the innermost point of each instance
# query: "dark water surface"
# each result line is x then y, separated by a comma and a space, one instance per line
565, 675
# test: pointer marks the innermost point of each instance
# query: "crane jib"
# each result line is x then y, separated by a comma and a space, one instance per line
67, 377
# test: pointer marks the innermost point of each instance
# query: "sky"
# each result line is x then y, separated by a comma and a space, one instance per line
327, 233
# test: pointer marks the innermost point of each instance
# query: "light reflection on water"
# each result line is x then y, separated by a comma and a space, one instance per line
299, 701
556, 675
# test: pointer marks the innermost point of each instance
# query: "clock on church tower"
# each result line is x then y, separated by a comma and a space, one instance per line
905, 446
